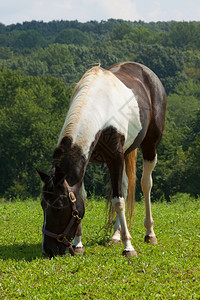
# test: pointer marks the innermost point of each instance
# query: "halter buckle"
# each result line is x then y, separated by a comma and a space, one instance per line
61, 238
75, 215
72, 197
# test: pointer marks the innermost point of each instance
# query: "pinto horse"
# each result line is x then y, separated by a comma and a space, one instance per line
112, 112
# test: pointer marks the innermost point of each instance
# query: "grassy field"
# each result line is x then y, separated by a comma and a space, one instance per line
169, 270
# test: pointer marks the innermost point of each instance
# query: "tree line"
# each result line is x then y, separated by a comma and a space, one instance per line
33, 34
40, 64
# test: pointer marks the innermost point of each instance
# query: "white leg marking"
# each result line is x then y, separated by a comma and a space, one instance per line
117, 228
77, 243
147, 183
116, 237
77, 240
124, 183
119, 205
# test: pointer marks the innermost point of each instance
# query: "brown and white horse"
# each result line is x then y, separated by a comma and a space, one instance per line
112, 112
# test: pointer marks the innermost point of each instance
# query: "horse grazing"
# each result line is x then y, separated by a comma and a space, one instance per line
112, 112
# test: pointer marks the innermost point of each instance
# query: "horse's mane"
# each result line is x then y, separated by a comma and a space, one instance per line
78, 100
85, 81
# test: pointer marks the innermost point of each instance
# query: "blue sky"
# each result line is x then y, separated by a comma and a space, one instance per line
14, 11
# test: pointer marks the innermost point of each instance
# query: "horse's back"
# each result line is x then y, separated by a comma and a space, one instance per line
151, 98
135, 75
129, 71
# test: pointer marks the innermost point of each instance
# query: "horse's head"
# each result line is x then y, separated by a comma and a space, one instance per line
63, 210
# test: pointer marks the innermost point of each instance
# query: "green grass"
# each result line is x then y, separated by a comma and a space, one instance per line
169, 270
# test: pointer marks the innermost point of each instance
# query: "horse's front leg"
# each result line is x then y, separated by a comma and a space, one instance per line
77, 243
118, 202
119, 206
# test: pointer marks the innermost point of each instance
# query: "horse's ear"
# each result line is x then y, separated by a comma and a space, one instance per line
44, 177
59, 175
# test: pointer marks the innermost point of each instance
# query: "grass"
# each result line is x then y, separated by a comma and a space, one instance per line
169, 270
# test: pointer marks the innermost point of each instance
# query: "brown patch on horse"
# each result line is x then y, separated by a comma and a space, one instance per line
152, 104
69, 158
130, 162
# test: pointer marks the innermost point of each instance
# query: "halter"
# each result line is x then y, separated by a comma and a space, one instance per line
61, 238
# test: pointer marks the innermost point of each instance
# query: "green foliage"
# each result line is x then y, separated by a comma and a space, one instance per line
28, 40
72, 36
5, 53
165, 271
185, 35
179, 151
139, 34
97, 180
32, 112
121, 30
166, 62
192, 64
57, 58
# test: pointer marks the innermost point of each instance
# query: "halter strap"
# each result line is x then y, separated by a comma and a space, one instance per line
61, 238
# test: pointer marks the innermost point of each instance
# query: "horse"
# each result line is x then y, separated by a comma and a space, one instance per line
113, 111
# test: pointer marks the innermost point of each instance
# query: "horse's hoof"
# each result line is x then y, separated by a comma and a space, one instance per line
78, 250
129, 253
150, 239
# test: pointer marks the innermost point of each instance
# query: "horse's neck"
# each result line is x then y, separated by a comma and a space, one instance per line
84, 123
78, 138
71, 161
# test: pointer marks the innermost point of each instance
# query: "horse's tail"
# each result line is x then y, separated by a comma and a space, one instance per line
130, 162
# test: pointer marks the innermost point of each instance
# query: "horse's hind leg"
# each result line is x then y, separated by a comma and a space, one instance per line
147, 183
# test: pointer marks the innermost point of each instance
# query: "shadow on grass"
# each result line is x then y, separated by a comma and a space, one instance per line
17, 252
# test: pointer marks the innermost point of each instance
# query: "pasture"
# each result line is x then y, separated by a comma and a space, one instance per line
169, 270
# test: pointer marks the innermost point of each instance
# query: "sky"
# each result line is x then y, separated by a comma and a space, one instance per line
18, 11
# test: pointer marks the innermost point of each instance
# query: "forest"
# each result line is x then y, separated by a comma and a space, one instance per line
40, 63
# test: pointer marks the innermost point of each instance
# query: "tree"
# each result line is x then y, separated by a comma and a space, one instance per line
139, 34
178, 164
72, 36
29, 39
167, 63
121, 30
185, 35
57, 58
32, 113
5, 53
192, 171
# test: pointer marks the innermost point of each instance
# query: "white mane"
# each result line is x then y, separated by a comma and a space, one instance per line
78, 101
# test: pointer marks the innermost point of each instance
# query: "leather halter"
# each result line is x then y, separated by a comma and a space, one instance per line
61, 238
